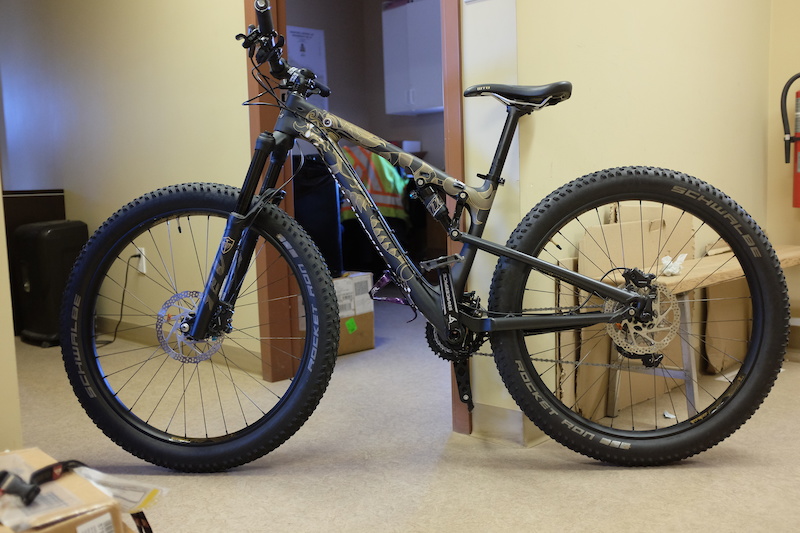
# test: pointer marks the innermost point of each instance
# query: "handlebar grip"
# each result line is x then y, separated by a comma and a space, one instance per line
264, 16
324, 90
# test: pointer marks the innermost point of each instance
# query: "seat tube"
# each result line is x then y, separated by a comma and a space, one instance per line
504, 144
461, 270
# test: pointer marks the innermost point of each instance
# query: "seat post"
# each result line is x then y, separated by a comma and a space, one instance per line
504, 144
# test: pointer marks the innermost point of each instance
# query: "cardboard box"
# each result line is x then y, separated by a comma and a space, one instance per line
71, 504
636, 237
728, 320
356, 312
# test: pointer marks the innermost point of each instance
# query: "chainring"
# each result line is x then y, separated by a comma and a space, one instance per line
451, 353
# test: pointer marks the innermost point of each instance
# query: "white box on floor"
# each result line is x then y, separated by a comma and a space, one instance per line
356, 312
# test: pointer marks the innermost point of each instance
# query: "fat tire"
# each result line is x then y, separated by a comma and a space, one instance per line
121, 423
770, 310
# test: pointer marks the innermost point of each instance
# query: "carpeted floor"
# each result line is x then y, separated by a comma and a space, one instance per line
379, 456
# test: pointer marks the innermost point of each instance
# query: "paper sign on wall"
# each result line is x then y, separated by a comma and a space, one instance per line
305, 48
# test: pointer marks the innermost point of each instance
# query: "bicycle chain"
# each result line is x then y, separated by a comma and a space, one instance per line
540, 360
570, 308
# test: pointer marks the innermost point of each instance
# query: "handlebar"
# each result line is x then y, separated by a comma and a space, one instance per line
299, 79
266, 29
264, 17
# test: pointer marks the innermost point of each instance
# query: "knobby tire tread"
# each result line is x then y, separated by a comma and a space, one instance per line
214, 457
675, 448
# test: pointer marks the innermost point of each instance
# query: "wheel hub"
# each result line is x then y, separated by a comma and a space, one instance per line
172, 325
637, 338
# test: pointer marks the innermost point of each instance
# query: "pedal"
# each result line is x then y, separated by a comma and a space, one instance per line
440, 262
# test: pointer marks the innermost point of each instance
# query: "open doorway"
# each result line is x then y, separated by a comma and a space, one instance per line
354, 56
355, 70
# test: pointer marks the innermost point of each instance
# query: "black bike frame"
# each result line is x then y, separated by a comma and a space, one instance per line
324, 130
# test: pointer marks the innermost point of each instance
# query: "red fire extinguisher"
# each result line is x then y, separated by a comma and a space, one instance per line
788, 139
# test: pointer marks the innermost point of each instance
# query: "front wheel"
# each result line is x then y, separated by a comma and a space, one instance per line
197, 405
667, 386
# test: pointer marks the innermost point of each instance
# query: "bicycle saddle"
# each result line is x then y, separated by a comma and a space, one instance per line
535, 95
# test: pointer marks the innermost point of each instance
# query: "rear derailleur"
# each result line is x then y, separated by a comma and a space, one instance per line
649, 360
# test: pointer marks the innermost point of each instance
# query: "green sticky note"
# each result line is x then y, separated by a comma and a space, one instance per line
351, 325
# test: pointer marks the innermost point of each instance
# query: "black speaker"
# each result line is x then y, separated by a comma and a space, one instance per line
45, 254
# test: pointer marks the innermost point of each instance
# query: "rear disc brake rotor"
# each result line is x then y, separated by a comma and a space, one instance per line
646, 338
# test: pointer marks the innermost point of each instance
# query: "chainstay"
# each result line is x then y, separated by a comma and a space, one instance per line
540, 360
553, 361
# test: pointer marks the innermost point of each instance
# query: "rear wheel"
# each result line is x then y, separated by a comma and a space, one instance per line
197, 405
643, 392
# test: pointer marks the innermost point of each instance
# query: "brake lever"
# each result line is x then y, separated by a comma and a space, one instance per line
268, 51
249, 41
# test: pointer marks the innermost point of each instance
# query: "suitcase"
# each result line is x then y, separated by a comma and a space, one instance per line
45, 254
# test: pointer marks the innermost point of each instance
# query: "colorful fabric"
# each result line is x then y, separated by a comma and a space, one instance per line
383, 181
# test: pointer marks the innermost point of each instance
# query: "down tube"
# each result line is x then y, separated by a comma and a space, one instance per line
425, 296
479, 200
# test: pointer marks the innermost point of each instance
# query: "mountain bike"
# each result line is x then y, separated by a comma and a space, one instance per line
200, 322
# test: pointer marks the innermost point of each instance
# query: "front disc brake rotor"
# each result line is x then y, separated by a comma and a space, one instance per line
176, 312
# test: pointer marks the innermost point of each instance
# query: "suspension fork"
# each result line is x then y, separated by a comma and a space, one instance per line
238, 242
249, 239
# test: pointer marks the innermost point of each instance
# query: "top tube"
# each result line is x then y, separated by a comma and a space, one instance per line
306, 118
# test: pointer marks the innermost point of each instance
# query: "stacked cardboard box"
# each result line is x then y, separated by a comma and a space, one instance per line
356, 312
637, 237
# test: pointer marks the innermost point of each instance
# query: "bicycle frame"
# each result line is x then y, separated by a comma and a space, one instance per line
324, 130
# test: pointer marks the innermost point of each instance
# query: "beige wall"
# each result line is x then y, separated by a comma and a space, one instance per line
783, 220
122, 98
490, 54
10, 422
676, 84
109, 100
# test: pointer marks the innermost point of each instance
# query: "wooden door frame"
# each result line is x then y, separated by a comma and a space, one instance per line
454, 148
276, 364
262, 118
